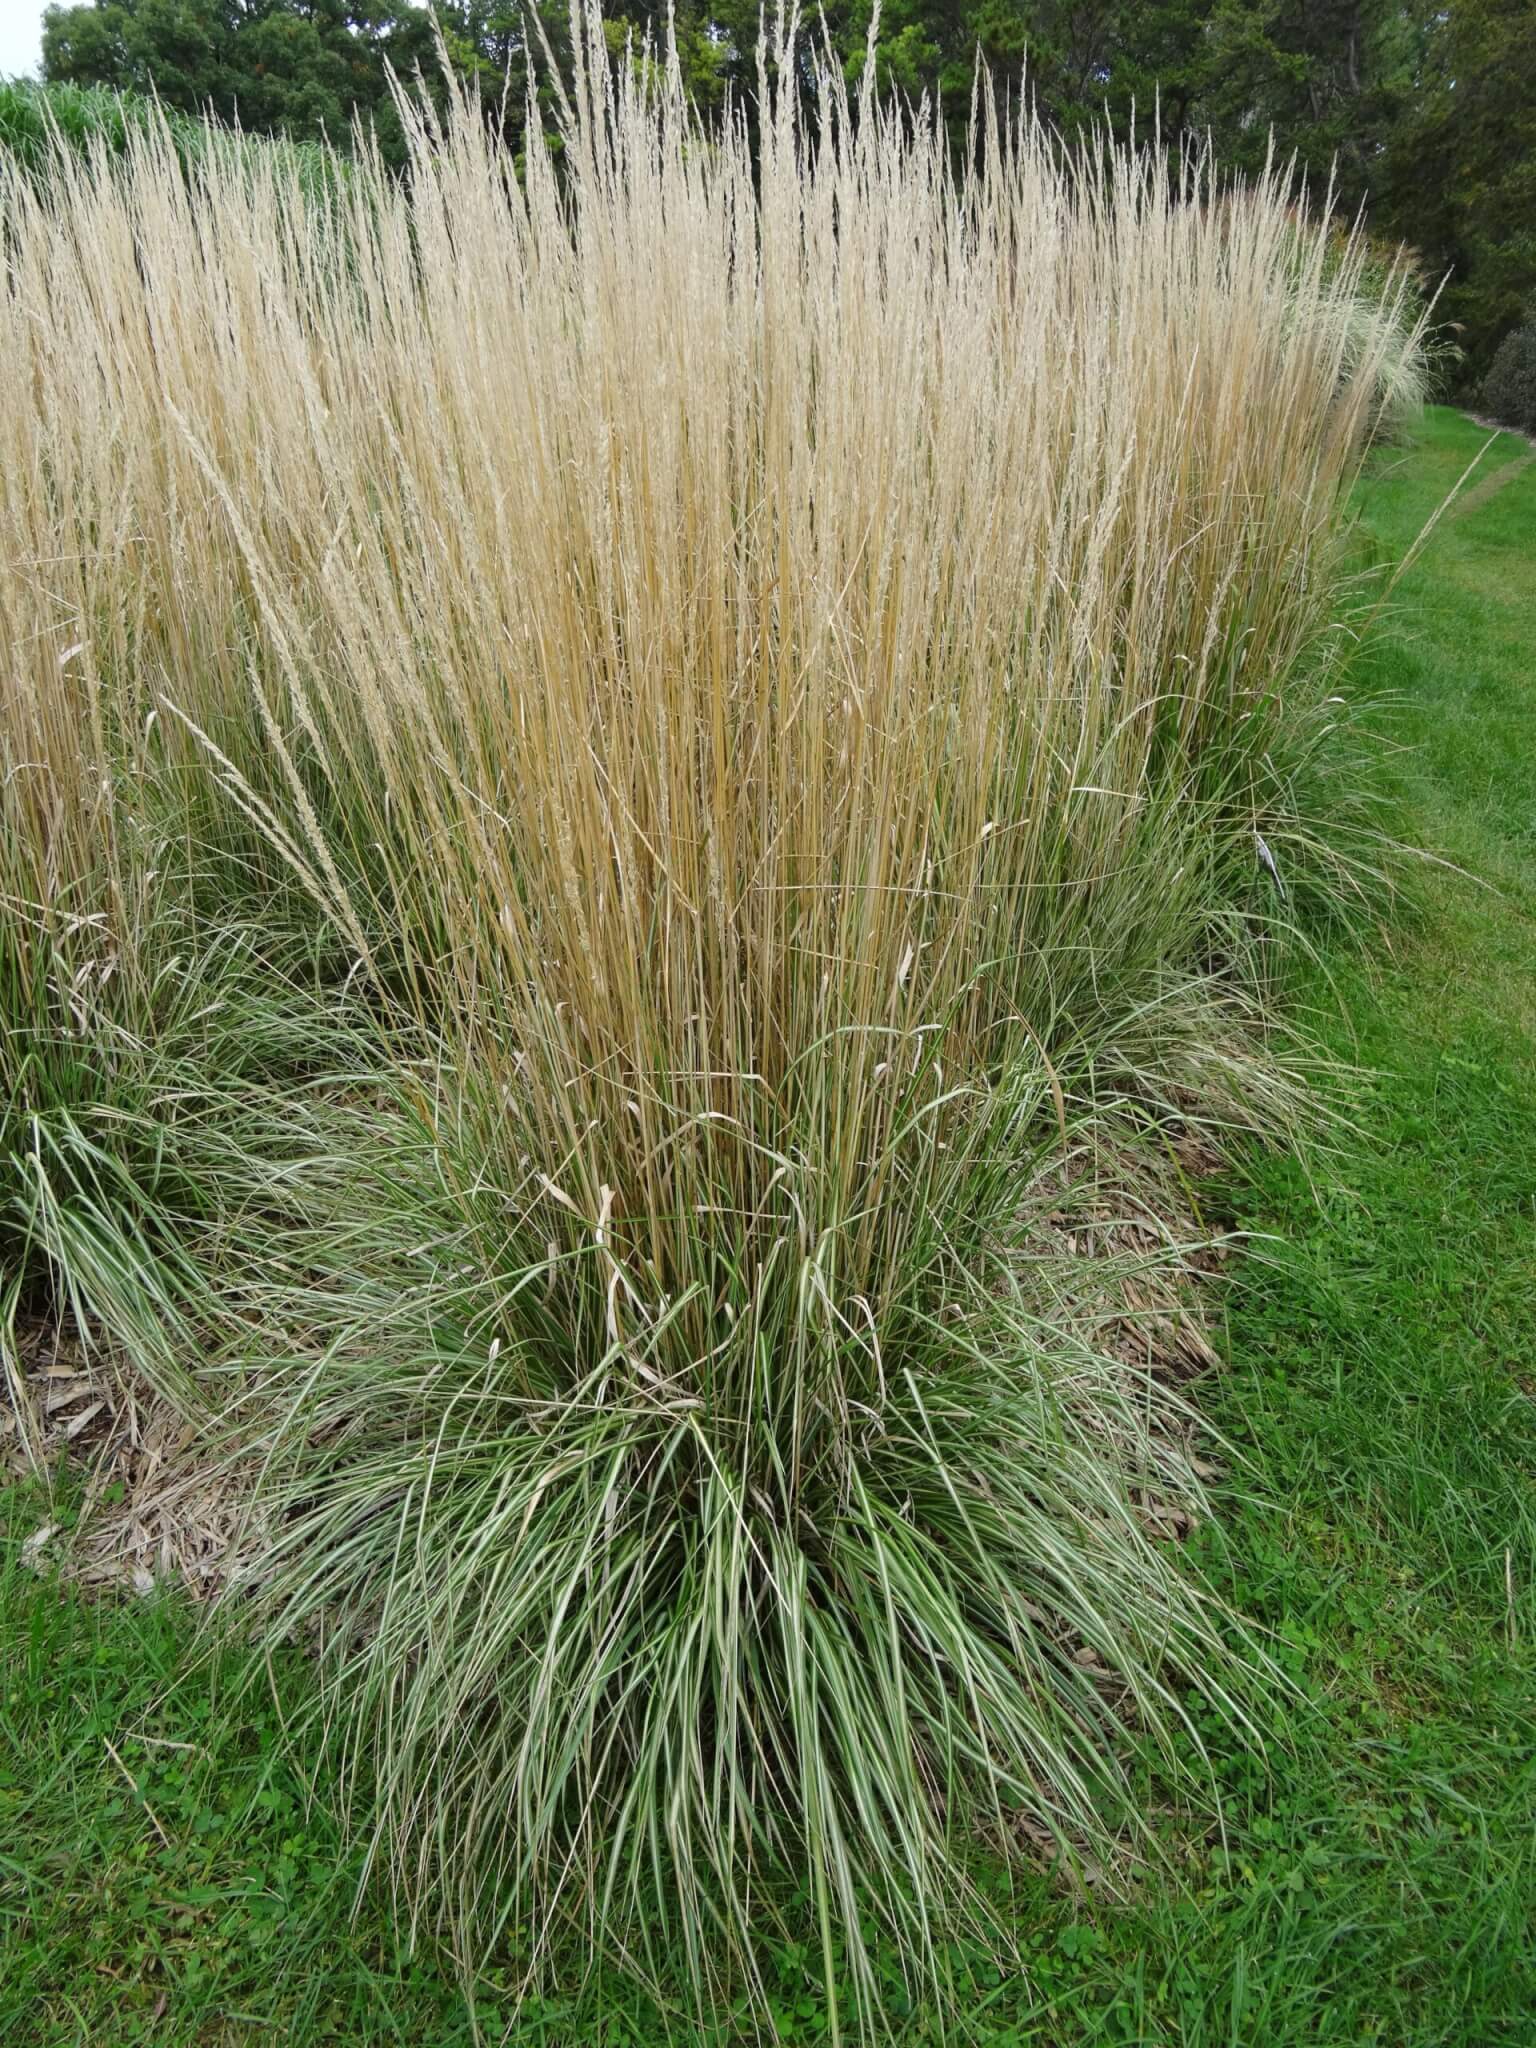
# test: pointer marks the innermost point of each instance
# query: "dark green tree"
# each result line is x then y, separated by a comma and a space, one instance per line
302, 68
1459, 173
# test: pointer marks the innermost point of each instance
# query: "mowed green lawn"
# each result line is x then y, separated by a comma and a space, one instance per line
165, 1877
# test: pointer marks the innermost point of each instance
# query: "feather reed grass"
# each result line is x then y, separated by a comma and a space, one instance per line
714, 722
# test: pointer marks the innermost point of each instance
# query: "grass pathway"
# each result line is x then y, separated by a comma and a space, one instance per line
1383, 1883
164, 1879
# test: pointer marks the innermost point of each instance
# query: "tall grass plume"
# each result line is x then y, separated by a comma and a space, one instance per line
751, 685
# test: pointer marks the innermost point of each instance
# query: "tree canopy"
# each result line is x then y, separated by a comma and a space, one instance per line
1424, 111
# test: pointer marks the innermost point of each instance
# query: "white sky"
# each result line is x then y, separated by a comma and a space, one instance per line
21, 34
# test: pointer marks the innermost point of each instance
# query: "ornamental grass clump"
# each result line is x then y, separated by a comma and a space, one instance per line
754, 701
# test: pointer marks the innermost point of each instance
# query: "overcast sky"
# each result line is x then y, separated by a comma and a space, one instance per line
21, 28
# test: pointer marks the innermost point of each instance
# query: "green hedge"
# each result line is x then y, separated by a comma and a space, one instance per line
1509, 390
31, 115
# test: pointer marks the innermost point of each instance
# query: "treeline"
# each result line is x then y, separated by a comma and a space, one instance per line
1424, 112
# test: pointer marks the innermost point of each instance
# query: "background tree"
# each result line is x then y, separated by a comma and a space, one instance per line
1459, 172
303, 68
